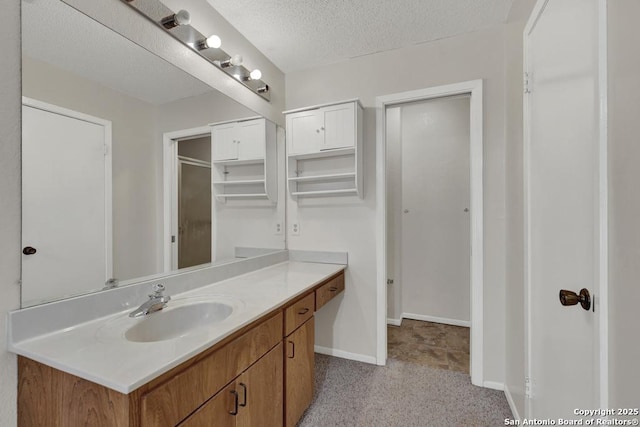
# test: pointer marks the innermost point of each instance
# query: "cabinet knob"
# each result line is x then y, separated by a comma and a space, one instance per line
317, 130
322, 128
293, 350
303, 310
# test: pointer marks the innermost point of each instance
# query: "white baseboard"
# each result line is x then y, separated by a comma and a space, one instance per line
512, 404
345, 354
454, 322
493, 385
394, 322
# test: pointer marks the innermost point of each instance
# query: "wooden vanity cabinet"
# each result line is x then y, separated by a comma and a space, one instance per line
299, 368
266, 369
253, 399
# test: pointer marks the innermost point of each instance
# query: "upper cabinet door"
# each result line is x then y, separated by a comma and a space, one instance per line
251, 139
304, 132
339, 128
224, 144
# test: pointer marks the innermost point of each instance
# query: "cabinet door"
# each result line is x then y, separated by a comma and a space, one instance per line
304, 134
223, 142
339, 126
299, 372
260, 392
251, 139
218, 411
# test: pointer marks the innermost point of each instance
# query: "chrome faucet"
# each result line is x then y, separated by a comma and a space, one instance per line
157, 301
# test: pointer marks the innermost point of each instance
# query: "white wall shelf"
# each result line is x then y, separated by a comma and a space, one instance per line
324, 150
239, 162
245, 161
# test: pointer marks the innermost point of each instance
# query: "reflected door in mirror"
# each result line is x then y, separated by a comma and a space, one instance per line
194, 202
66, 202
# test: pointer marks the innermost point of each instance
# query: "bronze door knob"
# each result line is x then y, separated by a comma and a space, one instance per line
571, 298
28, 250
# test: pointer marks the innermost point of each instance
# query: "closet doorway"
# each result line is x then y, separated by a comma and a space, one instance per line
430, 145
428, 229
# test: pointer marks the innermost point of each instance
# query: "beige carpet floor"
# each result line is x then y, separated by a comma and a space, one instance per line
401, 394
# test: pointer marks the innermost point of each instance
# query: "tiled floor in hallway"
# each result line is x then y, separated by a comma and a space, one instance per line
431, 344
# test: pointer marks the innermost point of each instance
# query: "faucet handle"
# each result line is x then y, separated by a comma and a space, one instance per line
158, 289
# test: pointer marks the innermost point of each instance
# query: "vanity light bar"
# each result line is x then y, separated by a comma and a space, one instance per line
177, 24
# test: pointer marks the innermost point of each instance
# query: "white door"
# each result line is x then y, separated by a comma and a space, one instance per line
224, 144
303, 132
251, 139
64, 214
563, 205
436, 238
339, 126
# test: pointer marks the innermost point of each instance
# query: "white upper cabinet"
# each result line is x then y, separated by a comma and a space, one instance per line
244, 160
339, 129
324, 128
324, 146
251, 139
225, 146
238, 140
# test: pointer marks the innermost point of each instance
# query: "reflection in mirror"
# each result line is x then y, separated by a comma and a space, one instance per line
118, 166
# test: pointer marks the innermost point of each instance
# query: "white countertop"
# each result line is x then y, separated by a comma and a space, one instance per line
98, 351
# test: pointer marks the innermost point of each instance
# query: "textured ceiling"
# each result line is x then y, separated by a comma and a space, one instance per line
58, 34
300, 34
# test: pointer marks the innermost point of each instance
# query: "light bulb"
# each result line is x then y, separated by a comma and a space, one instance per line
213, 41
182, 17
255, 74
235, 60
210, 42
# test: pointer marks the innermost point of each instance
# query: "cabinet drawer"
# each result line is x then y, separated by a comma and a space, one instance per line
298, 313
172, 401
329, 290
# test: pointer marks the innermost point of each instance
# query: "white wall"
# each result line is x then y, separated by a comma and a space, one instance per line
134, 166
348, 225
10, 254
624, 202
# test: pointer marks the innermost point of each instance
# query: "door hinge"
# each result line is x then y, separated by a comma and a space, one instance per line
527, 85
173, 239
527, 387
389, 281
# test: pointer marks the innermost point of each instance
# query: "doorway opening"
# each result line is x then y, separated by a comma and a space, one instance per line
442, 181
428, 232
188, 209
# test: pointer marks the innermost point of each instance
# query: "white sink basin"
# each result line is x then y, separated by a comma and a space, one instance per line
173, 322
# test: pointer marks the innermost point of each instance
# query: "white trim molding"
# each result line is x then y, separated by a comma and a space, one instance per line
475, 89
434, 319
394, 322
512, 404
345, 354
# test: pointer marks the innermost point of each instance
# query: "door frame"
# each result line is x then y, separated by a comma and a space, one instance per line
170, 192
601, 302
474, 89
108, 160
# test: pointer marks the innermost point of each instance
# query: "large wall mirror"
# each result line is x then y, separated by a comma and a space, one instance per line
123, 170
